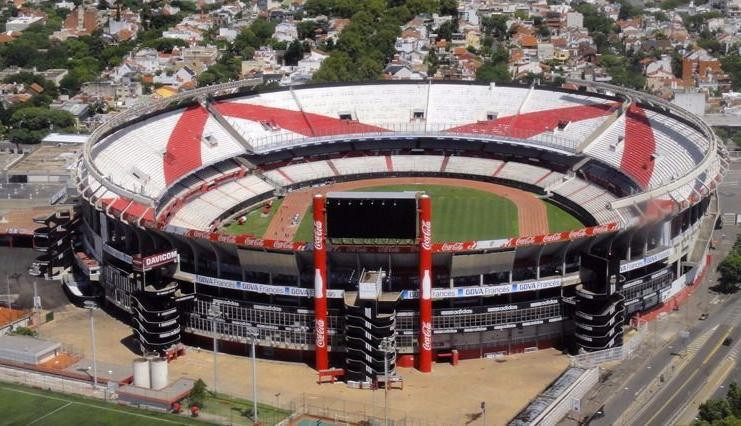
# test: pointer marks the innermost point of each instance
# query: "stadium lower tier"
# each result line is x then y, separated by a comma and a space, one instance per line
578, 295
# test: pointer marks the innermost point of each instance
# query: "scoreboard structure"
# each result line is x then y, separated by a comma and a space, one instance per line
371, 217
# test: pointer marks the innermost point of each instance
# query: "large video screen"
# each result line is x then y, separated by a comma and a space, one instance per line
372, 215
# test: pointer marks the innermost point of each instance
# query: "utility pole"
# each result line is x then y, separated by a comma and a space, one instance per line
7, 281
253, 334
388, 346
91, 307
214, 312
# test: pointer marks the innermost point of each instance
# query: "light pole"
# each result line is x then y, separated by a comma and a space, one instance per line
91, 307
387, 345
253, 334
7, 281
214, 312
15, 276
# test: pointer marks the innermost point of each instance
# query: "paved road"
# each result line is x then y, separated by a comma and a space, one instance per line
15, 262
645, 371
672, 398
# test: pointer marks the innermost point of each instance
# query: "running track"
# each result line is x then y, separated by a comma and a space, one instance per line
532, 218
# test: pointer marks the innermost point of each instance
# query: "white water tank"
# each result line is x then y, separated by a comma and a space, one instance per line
158, 373
141, 373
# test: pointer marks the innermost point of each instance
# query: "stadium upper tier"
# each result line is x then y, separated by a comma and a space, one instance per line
157, 158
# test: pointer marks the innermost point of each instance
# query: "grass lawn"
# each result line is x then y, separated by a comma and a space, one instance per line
239, 411
458, 213
23, 405
256, 223
559, 220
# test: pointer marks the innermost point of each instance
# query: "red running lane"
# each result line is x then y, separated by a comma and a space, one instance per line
530, 124
184, 146
307, 124
640, 146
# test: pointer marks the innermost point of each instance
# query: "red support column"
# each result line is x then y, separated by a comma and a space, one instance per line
320, 284
425, 285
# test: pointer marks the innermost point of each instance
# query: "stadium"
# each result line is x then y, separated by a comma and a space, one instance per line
346, 225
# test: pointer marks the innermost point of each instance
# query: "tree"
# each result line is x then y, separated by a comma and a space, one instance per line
446, 30
495, 25
730, 272
627, 10
714, 410
198, 394
24, 331
448, 7
307, 29
335, 68
165, 44
27, 78
433, 62
734, 399
30, 125
294, 53
490, 72
731, 64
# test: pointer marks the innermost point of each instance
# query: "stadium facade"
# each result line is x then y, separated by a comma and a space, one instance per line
156, 182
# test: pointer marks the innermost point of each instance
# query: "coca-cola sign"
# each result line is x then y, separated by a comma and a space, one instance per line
459, 246
320, 334
284, 245
426, 335
580, 233
318, 235
552, 238
426, 228
524, 241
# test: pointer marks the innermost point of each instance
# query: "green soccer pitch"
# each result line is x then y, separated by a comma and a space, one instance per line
462, 214
24, 406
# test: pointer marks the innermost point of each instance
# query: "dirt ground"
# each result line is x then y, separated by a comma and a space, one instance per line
532, 217
450, 395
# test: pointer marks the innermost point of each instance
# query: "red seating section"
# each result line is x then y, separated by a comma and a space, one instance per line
640, 145
184, 146
530, 124
307, 124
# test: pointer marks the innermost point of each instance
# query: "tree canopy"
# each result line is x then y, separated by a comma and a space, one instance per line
30, 125
730, 269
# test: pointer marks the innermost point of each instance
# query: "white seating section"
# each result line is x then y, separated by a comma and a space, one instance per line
471, 165
589, 196
281, 99
672, 142
679, 148
609, 146
580, 130
134, 158
541, 100
142, 146
354, 165
522, 172
455, 105
418, 163
369, 104
225, 146
200, 212
258, 135
301, 172
139, 151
